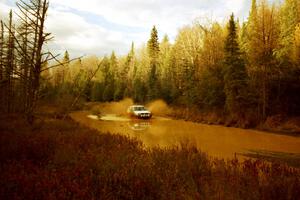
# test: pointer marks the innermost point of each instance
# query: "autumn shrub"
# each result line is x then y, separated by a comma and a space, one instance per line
62, 160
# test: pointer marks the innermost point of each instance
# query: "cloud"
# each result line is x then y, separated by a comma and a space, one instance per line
100, 26
4, 9
168, 15
141, 13
73, 33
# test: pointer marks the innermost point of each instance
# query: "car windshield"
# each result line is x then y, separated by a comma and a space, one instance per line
139, 108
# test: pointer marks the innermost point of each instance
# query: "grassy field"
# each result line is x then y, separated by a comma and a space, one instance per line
59, 159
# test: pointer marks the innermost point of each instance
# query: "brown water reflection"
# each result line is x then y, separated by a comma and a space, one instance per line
217, 141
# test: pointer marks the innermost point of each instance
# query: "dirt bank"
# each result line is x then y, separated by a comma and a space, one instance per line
274, 124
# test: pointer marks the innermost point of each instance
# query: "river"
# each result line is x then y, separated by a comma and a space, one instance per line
217, 141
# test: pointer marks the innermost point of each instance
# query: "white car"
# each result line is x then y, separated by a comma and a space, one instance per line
139, 111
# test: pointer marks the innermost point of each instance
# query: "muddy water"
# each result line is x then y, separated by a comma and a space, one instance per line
217, 141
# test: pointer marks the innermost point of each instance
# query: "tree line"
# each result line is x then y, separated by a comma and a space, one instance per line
249, 69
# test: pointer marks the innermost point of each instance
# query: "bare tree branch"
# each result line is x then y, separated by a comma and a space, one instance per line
60, 63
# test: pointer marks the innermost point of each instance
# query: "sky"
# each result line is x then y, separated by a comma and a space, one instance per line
97, 27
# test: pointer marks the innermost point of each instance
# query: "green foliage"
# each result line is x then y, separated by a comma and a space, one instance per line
109, 67
79, 82
139, 90
97, 91
124, 80
190, 85
153, 45
211, 89
289, 18
153, 50
119, 92
235, 76
165, 70
66, 57
108, 94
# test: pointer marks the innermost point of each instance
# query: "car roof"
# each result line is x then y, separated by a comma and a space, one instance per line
137, 106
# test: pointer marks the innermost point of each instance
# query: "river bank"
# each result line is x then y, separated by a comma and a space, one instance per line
60, 159
274, 124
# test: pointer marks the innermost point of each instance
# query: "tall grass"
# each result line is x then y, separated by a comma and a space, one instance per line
62, 160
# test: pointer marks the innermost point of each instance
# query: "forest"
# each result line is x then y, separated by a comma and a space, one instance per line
245, 70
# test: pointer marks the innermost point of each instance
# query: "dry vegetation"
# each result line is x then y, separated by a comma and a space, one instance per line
56, 159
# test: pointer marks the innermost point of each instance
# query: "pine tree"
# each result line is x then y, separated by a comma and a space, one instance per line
189, 84
62, 76
97, 91
139, 90
235, 76
109, 82
153, 51
113, 63
80, 77
153, 45
65, 67
165, 69
124, 82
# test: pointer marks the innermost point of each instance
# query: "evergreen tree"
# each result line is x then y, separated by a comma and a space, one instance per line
235, 76
153, 45
153, 51
109, 80
165, 69
97, 91
79, 80
139, 90
65, 70
113, 63
190, 85
211, 89
124, 82
66, 57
